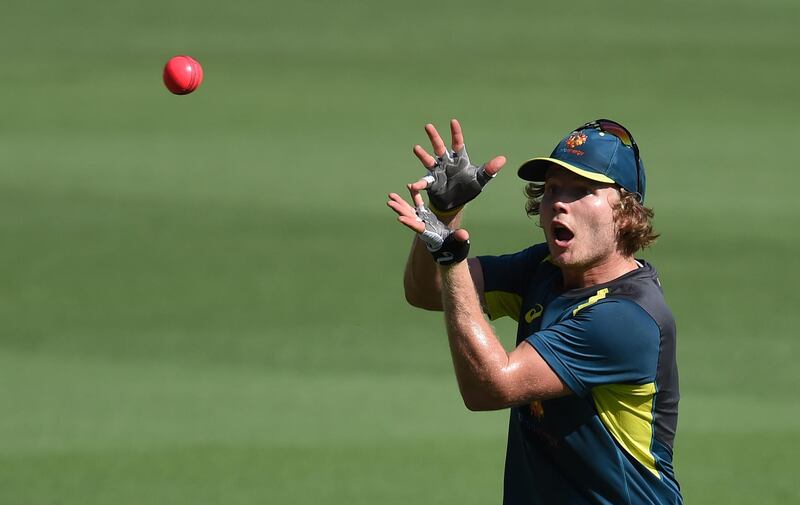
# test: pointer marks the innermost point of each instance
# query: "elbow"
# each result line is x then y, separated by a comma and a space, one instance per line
485, 398
422, 300
476, 405
496, 398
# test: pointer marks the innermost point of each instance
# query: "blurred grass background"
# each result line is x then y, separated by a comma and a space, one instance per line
200, 296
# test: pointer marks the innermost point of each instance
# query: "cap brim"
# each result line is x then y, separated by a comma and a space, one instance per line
535, 169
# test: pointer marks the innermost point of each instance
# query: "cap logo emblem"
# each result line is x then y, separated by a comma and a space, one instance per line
576, 139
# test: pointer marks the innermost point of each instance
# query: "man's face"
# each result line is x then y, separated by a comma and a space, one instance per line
578, 219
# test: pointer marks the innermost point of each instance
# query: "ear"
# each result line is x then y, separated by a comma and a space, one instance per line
617, 202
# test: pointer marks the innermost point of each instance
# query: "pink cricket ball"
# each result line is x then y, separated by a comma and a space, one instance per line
182, 75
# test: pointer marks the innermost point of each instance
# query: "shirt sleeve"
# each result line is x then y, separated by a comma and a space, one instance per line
505, 279
614, 341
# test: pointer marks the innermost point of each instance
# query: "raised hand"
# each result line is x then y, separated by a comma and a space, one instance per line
452, 179
446, 246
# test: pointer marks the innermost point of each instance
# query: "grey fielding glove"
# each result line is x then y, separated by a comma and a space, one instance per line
439, 239
454, 181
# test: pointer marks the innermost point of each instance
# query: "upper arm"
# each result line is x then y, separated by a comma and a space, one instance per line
524, 377
530, 377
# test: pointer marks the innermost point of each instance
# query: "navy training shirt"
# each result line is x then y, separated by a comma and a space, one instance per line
613, 345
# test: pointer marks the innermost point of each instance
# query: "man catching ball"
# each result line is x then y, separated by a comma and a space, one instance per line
592, 383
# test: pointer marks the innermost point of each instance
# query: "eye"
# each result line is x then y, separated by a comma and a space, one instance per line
591, 189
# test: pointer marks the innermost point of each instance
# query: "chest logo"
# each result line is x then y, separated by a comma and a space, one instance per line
534, 313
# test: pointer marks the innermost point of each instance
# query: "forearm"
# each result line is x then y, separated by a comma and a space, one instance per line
479, 359
421, 280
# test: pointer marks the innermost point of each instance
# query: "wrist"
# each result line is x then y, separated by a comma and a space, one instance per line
446, 216
451, 252
448, 269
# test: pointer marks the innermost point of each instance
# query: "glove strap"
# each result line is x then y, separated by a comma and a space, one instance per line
452, 251
444, 213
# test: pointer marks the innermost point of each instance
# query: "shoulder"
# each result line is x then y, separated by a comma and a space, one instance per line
642, 288
613, 319
610, 341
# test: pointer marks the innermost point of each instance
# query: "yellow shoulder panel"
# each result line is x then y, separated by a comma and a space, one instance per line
503, 303
627, 412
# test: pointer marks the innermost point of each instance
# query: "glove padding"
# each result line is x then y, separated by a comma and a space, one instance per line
440, 240
454, 181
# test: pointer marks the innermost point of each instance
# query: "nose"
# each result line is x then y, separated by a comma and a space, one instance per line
560, 207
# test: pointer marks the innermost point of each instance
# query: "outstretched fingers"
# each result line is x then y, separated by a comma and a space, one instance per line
457, 135
427, 160
406, 214
413, 224
494, 165
416, 197
420, 184
436, 140
400, 206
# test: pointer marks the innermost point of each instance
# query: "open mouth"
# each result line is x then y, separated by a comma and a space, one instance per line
562, 235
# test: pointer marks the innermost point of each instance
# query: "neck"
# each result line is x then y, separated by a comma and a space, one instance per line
599, 273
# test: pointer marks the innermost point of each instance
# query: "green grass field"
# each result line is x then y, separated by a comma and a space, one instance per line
200, 297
